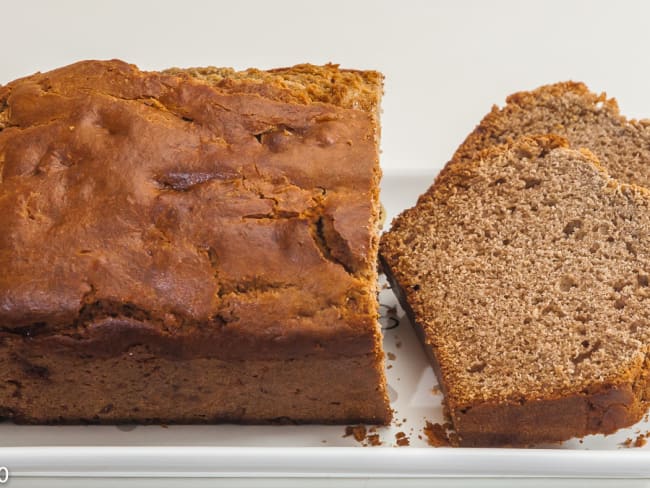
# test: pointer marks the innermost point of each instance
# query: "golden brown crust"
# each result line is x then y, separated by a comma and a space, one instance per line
203, 219
303, 83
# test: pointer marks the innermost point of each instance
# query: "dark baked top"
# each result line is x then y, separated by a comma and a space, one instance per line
163, 206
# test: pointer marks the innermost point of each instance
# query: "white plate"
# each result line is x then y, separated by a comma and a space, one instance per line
313, 452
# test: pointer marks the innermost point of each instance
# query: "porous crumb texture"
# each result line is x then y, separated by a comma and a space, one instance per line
218, 216
584, 118
527, 273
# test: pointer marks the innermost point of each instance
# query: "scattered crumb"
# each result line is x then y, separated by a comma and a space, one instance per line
436, 434
373, 440
439, 435
398, 344
358, 431
419, 437
389, 366
436, 390
164, 426
368, 437
389, 314
640, 440
581, 441
323, 441
402, 439
391, 356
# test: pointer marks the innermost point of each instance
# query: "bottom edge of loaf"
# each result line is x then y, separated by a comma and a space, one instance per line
18, 419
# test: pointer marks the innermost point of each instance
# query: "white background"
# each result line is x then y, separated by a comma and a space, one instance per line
445, 63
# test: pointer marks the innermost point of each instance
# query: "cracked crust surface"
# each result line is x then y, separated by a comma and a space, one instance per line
303, 83
525, 271
203, 217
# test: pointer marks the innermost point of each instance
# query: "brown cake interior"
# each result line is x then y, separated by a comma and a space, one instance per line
585, 119
526, 272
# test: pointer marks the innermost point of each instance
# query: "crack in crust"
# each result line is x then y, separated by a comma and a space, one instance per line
4, 118
323, 234
184, 181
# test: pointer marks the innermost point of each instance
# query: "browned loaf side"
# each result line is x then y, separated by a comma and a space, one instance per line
526, 272
190, 246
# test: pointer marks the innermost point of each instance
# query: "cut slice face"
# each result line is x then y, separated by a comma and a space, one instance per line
584, 118
527, 272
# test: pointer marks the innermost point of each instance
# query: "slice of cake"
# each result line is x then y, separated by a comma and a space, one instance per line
526, 271
584, 118
190, 246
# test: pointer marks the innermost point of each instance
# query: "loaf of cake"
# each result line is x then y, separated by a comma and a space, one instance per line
526, 272
190, 246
